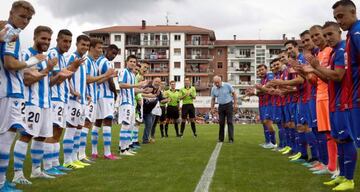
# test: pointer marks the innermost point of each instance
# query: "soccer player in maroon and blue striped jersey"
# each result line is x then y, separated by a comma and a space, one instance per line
338, 81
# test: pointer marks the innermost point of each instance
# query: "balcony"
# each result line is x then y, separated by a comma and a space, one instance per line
199, 43
199, 57
155, 43
138, 55
132, 43
243, 84
242, 70
157, 71
195, 71
202, 86
241, 57
156, 57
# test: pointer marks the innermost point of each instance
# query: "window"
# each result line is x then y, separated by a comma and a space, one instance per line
117, 37
177, 78
220, 65
231, 50
195, 80
177, 65
164, 37
219, 52
177, 51
177, 37
244, 52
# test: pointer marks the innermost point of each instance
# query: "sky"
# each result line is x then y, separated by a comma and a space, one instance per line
247, 19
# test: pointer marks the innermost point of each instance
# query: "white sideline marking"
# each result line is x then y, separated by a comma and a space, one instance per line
206, 178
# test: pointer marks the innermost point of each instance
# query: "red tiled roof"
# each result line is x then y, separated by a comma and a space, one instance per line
250, 42
153, 29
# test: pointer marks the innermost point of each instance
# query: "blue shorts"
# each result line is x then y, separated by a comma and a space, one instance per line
312, 108
355, 125
340, 125
262, 112
286, 112
293, 112
269, 111
278, 114
303, 114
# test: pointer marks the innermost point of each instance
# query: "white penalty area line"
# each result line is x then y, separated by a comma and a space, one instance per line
206, 178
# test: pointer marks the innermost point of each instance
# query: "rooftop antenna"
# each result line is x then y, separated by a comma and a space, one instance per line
167, 18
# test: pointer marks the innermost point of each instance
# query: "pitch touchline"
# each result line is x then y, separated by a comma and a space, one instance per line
206, 178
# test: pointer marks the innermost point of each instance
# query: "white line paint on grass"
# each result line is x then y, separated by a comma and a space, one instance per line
206, 178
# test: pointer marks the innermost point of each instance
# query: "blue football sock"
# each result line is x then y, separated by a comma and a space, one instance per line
350, 158
302, 144
323, 151
341, 159
311, 140
281, 135
266, 134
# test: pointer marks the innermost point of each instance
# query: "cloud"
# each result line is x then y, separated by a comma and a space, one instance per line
101, 12
248, 19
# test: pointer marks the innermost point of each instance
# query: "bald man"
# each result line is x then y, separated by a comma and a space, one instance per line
150, 101
227, 100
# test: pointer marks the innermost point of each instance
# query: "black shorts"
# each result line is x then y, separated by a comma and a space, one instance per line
188, 109
163, 113
172, 112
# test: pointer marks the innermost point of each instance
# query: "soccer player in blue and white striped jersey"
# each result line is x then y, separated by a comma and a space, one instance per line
37, 108
127, 104
76, 106
59, 97
92, 79
105, 102
11, 87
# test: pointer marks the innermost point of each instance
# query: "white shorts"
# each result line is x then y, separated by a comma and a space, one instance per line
58, 113
37, 120
105, 108
76, 113
12, 113
90, 112
127, 114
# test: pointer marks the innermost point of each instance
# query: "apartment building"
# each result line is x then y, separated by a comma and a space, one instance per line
243, 56
174, 52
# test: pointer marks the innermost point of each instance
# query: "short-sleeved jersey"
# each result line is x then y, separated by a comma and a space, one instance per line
352, 59
264, 98
127, 95
11, 82
322, 87
188, 99
38, 93
338, 91
61, 91
302, 89
174, 96
103, 65
78, 80
91, 70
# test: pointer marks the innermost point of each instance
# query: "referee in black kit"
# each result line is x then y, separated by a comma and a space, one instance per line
227, 100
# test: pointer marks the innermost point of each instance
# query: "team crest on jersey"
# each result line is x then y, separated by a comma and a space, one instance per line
16, 103
72, 118
59, 118
30, 126
54, 106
